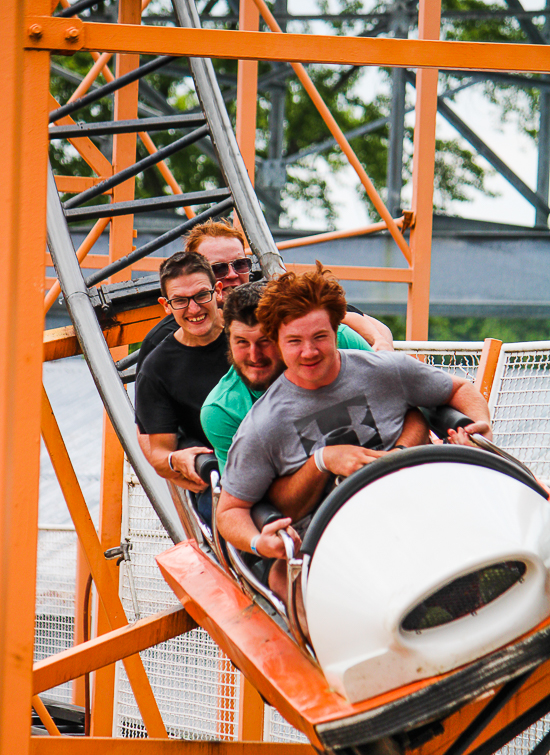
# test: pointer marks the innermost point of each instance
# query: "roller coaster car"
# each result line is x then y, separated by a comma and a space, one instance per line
421, 563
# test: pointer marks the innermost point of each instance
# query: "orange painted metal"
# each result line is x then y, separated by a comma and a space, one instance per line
86, 148
349, 272
47, 720
247, 91
76, 184
81, 632
81, 254
23, 131
97, 261
319, 238
338, 135
112, 468
106, 585
112, 646
487, 366
423, 180
251, 712
308, 48
94, 745
130, 327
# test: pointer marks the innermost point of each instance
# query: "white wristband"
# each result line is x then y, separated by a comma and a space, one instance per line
253, 544
170, 461
318, 459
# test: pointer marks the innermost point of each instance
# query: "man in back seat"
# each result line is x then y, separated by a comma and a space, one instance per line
285, 437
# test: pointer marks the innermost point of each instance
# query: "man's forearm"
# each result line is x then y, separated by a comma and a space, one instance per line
371, 330
297, 494
470, 402
415, 430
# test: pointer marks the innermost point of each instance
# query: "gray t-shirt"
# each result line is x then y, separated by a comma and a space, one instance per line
369, 399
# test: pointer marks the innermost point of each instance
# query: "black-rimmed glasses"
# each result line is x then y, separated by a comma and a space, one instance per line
182, 302
240, 266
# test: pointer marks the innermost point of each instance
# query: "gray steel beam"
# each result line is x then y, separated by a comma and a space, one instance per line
228, 153
529, 29
98, 356
400, 28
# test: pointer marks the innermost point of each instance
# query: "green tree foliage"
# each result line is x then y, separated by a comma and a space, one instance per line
507, 330
457, 169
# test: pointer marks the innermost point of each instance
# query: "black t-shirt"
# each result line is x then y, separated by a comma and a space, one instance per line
156, 335
173, 384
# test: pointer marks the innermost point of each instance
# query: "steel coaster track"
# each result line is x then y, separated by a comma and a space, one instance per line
239, 195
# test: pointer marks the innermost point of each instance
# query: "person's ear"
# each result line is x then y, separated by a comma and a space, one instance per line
219, 289
164, 304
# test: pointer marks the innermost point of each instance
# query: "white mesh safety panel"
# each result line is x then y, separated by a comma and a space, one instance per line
460, 359
55, 597
520, 405
195, 684
525, 742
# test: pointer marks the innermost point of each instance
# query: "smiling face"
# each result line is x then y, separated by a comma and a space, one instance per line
255, 358
200, 323
224, 249
308, 348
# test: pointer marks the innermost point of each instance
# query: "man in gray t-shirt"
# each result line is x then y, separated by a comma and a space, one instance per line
285, 442
368, 400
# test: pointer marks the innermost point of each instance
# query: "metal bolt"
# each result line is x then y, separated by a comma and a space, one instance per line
71, 34
35, 31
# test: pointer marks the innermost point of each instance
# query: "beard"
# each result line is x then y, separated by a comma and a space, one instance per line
258, 385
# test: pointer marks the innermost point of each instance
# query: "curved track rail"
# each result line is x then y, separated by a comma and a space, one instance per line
76, 289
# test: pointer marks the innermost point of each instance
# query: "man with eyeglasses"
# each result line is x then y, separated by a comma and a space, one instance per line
178, 374
223, 246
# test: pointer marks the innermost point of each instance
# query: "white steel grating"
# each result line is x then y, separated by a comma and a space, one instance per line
55, 597
195, 684
460, 359
520, 405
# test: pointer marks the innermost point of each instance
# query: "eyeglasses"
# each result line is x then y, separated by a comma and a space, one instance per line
240, 266
182, 302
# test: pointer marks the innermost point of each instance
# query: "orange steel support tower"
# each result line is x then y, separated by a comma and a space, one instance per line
28, 34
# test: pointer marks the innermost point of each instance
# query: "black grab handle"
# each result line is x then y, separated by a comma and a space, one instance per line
445, 418
263, 513
204, 464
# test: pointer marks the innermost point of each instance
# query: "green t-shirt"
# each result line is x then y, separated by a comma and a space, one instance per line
230, 401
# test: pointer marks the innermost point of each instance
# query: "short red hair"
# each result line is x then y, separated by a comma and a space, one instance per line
292, 296
211, 229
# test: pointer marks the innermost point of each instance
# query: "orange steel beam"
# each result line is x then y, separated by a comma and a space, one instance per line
319, 238
23, 132
110, 647
76, 184
532, 692
309, 48
247, 91
97, 261
251, 712
106, 585
487, 366
81, 254
340, 138
81, 631
348, 272
85, 146
112, 460
47, 720
94, 745
129, 327
418, 309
